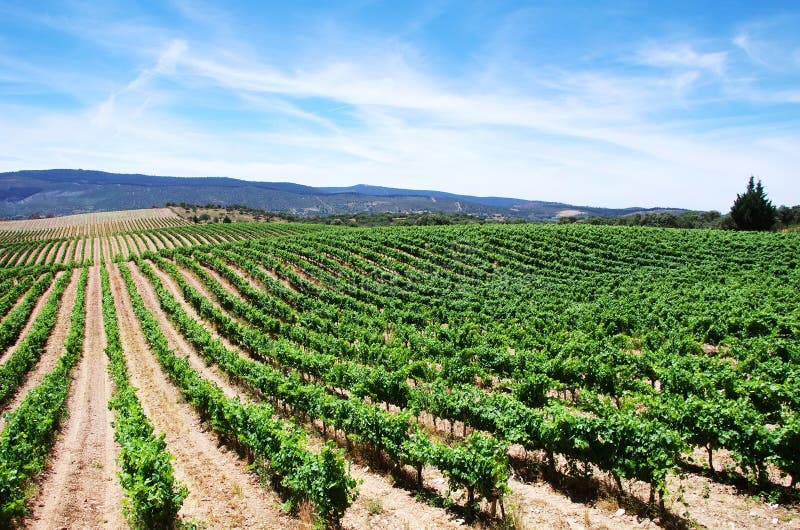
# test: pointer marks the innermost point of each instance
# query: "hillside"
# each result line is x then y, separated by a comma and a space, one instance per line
68, 191
481, 376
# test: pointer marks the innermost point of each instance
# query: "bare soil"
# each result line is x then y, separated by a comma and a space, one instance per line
31, 319
228, 286
33, 255
110, 246
380, 504
156, 242
53, 348
166, 240
113, 222
51, 253
134, 243
23, 257
175, 340
254, 283
223, 494
216, 214
96, 250
138, 243
80, 489
69, 252
182, 241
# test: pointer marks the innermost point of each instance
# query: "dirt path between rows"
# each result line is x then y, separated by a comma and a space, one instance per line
80, 489
53, 349
379, 505
96, 251
113, 249
175, 340
105, 248
51, 254
257, 284
138, 243
166, 240
37, 308
70, 252
222, 493
22, 258
151, 245
134, 245
34, 255
195, 282
538, 506
181, 239
79, 246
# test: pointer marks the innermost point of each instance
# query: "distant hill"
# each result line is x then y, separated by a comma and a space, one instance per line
70, 191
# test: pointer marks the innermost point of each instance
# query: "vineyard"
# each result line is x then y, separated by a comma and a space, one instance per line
87, 224
85, 239
276, 375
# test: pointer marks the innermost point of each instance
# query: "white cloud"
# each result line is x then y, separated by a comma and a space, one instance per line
771, 42
683, 56
586, 136
109, 113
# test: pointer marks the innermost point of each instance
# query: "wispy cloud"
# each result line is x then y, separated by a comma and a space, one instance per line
684, 56
109, 113
675, 114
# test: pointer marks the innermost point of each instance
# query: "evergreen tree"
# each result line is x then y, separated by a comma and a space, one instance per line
752, 210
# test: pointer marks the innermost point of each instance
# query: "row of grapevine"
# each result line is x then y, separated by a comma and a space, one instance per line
22, 359
548, 429
120, 245
31, 428
153, 496
478, 465
320, 477
652, 376
15, 320
91, 224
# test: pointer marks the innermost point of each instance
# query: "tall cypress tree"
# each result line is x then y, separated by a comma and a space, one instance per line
753, 210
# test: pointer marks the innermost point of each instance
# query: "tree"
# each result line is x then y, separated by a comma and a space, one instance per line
752, 210
789, 216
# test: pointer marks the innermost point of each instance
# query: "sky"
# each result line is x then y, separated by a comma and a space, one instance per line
618, 103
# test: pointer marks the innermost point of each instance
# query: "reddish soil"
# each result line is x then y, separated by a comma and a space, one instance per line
182, 240
68, 253
156, 242
101, 248
168, 241
138, 244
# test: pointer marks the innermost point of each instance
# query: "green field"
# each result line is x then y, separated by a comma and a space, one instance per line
594, 358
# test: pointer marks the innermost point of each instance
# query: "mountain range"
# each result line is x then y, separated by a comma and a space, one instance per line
69, 191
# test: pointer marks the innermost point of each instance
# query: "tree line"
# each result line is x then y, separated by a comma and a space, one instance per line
751, 210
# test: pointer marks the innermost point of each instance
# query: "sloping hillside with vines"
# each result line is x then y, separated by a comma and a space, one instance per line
270, 375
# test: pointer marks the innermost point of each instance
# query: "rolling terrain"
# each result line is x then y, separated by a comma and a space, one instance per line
66, 191
273, 375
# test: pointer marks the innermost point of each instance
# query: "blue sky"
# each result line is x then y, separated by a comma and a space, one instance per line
600, 103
